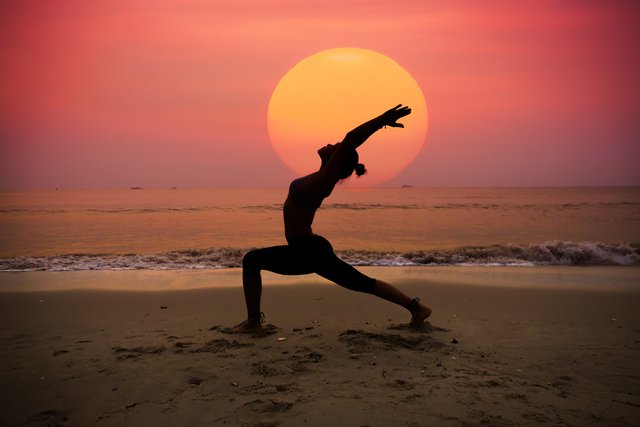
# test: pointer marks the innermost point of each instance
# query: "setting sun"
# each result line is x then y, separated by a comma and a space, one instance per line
329, 93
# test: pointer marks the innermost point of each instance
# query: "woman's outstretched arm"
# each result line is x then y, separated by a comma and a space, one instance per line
359, 135
355, 138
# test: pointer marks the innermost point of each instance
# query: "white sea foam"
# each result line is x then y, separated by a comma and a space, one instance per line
548, 253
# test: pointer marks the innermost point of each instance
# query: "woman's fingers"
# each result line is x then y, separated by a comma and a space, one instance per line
399, 109
396, 113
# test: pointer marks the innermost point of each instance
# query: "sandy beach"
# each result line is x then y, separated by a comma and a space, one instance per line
505, 346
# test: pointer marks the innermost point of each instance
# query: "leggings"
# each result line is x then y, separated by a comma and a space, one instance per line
305, 255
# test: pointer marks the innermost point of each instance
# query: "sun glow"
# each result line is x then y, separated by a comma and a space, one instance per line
329, 93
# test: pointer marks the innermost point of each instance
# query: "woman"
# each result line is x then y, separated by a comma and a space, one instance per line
310, 253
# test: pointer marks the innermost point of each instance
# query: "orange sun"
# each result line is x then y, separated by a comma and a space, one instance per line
329, 93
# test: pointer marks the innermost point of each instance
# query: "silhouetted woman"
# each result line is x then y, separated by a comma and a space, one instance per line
310, 253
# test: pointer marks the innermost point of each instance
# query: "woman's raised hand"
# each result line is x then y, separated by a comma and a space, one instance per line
390, 117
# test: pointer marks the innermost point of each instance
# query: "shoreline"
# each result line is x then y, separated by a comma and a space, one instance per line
548, 277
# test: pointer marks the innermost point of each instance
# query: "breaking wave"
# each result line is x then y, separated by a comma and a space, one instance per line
548, 253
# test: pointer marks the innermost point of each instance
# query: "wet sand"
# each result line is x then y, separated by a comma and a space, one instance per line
505, 346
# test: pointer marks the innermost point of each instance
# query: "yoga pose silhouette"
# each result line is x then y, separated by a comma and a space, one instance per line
307, 252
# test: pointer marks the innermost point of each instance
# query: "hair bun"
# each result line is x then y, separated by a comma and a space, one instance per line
360, 169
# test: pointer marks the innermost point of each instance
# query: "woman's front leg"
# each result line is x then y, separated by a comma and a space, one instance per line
277, 259
252, 287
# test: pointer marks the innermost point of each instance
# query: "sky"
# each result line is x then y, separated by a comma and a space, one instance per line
163, 93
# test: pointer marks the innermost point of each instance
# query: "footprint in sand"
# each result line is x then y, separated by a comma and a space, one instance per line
262, 388
220, 345
135, 352
266, 331
52, 417
426, 327
295, 364
360, 341
270, 406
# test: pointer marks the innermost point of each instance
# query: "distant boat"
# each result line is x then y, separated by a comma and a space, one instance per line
406, 186
174, 188
136, 188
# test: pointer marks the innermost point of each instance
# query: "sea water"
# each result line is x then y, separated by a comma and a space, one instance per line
213, 228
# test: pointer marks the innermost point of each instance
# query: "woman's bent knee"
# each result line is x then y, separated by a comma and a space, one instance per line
250, 263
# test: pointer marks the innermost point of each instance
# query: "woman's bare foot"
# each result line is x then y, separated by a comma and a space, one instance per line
252, 325
247, 327
419, 315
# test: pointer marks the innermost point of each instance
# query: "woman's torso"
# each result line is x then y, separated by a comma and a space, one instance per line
299, 210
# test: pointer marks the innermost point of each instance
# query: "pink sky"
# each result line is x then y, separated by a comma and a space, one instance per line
113, 94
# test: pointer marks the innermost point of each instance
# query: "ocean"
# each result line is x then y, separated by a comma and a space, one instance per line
177, 229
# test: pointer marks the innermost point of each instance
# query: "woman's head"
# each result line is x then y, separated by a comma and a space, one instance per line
349, 165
